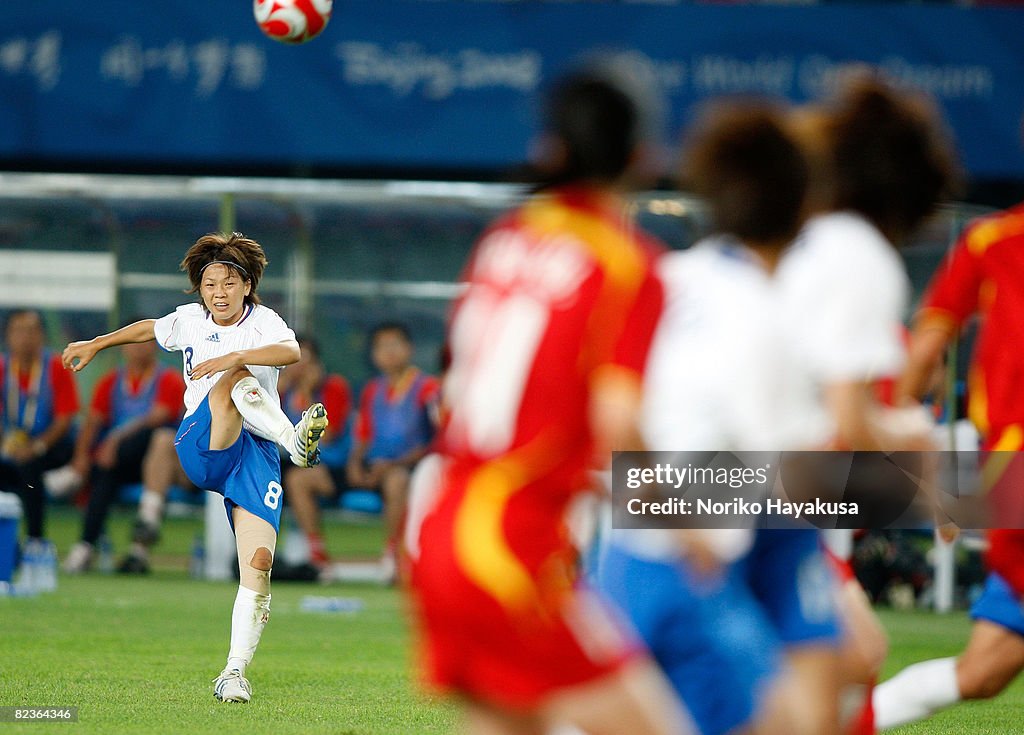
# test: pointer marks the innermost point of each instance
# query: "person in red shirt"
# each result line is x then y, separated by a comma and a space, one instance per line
128, 436
982, 275
303, 383
40, 401
397, 420
548, 342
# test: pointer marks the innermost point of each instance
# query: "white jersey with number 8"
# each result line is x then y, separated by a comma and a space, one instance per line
190, 329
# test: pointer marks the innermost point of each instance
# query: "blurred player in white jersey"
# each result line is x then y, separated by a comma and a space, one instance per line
717, 382
883, 166
233, 348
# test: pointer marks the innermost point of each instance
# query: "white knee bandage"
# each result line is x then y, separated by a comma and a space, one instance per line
256, 541
262, 414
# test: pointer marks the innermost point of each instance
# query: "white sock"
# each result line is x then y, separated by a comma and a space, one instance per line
151, 507
917, 692
248, 618
262, 413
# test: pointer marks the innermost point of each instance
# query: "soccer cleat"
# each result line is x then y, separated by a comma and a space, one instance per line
231, 686
145, 533
318, 556
79, 558
309, 429
133, 564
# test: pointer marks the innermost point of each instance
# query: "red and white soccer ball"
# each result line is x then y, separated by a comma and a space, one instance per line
292, 21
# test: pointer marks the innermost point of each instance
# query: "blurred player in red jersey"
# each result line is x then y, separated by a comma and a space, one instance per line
128, 436
548, 345
305, 382
40, 401
982, 275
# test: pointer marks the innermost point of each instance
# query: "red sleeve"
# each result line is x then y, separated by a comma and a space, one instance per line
624, 315
430, 389
337, 398
953, 292
634, 341
364, 421
65, 392
103, 395
170, 392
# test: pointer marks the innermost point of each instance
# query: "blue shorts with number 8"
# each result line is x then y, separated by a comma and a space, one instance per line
247, 474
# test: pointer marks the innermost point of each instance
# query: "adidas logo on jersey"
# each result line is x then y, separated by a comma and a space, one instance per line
215, 337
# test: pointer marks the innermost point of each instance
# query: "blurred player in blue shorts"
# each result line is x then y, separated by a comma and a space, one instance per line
742, 623
232, 349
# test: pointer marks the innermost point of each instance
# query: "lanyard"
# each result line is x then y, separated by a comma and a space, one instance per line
145, 380
28, 416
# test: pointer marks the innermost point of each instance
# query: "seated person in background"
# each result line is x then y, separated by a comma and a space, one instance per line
40, 401
128, 436
394, 428
303, 383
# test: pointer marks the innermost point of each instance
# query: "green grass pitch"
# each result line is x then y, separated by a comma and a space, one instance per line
137, 655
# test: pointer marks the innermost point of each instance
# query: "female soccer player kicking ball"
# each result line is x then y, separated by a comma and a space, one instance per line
233, 349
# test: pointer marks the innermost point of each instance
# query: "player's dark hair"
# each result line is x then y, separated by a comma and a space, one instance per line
597, 125
395, 327
749, 170
17, 313
239, 254
307, 342
891, 159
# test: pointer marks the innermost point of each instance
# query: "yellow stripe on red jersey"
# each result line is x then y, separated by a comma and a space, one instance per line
984, 274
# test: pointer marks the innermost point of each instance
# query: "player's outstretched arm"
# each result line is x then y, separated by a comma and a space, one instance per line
865, 425
278, 354
79, 354
927, 345
614, 412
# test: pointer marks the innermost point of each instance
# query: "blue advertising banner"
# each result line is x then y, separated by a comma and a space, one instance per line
453, 84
